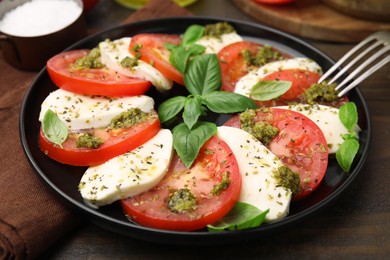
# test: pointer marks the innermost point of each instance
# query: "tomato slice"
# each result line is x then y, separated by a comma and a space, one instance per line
300, 79
214, 160
154, 52
300, 144
233, 66
116, 142
103, 81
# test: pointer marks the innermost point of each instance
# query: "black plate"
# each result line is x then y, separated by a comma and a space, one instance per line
64, 179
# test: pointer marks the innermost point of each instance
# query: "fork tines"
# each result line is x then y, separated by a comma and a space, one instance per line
374, 51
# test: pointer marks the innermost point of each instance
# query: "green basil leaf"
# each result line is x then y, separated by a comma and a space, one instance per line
269, 89
228, 102
242, 216
170, 108
53, 128
192, 34
346, 153
179, 56
187, 142
170, 46
192, 110
203, 75
348, 115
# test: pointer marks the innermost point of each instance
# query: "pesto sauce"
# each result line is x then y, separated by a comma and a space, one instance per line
89, 61
217, 29
136, 49
264, 55
287, 179
223, 185
262, 131
129, 62
87, 140
129, 118
321, 92
182, 200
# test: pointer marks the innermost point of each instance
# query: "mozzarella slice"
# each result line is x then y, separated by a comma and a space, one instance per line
85, 112
129, 174
215, 44
327, 119
112, 53
256, 164
245, 84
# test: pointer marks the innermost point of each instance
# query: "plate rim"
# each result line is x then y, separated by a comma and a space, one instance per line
230, 236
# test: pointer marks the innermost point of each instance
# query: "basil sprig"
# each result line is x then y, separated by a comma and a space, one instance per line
53, 128
242, 216
202, 79
269, 89
346, 153
180, 55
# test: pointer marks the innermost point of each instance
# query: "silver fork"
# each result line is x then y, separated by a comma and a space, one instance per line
379, 43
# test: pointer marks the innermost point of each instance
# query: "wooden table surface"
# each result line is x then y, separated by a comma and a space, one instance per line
355, 226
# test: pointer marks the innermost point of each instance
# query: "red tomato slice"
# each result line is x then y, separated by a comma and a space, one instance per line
232, 63
300, 79
275, 2
154, 52
116, 142
215, 158
103, 81
300, 144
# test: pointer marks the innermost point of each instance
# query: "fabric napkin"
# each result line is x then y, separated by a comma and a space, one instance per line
32, 216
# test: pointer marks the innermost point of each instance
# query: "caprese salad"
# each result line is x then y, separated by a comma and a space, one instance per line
171, 167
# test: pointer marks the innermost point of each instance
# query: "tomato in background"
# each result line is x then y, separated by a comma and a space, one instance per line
89, 4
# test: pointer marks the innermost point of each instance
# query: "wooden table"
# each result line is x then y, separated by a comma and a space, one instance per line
356, 226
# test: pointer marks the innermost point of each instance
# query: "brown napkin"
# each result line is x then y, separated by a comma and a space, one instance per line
32, 217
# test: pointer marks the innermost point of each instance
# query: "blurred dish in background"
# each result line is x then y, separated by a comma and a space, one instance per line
377, 10
33, 31
137, 4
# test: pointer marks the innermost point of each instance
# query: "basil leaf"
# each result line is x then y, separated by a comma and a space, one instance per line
170, 46
242, 216
179, 56
348, 115
170, 108
192, 111
187, 142
203, 75
192, 34
228, 102
53, 128
346, 153
269, 89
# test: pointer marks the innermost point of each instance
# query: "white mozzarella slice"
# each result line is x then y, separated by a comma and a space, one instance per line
85, 112
112, 53
245, 83
215, 44
327, 119
257, 165
129, 174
